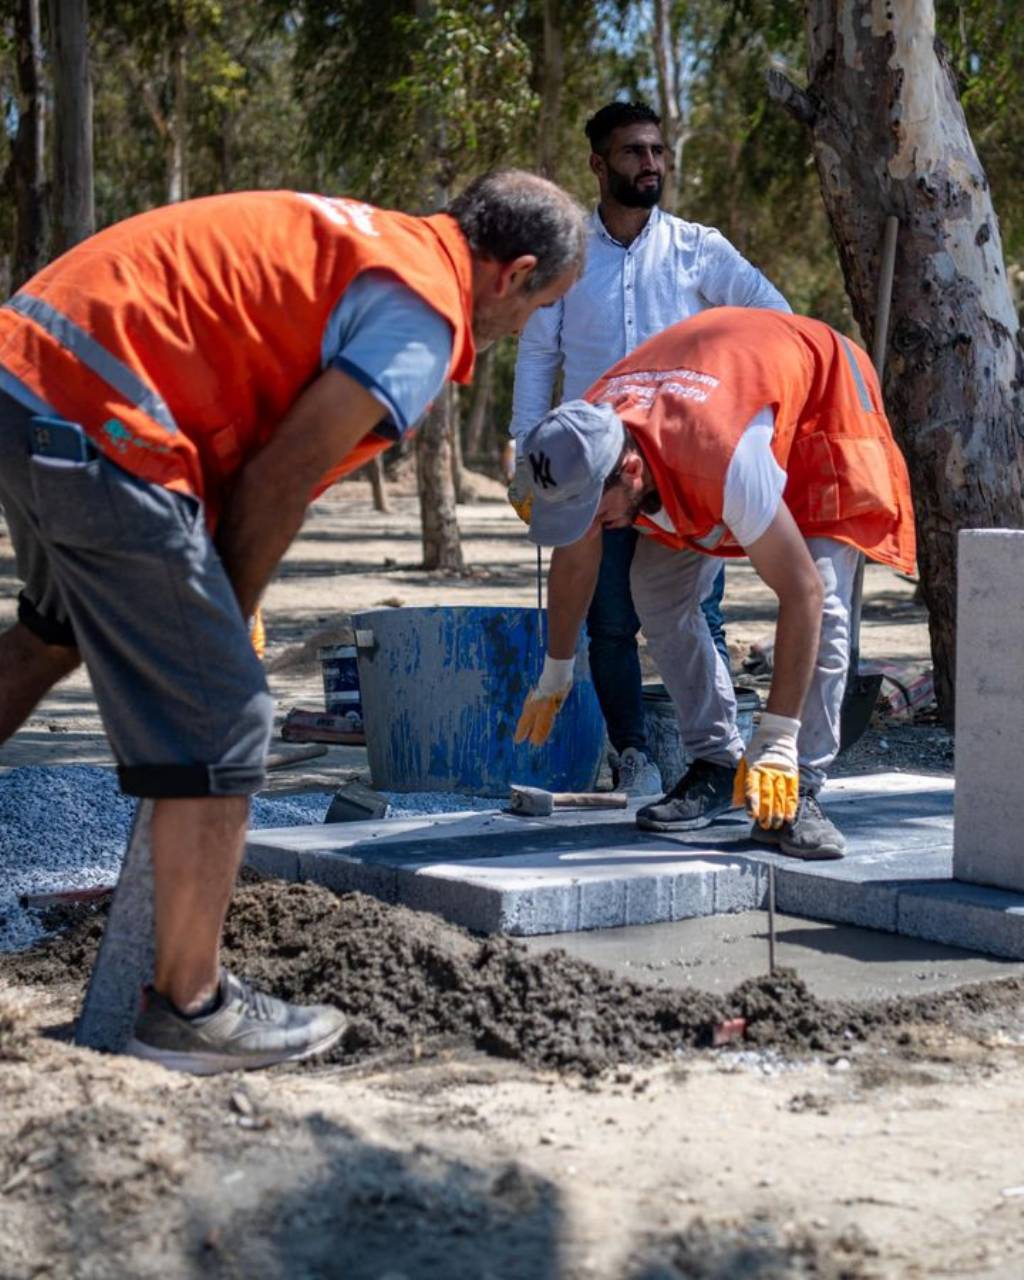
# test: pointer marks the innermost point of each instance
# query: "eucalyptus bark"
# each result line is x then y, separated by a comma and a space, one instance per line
74, 207
890, 138
27, 172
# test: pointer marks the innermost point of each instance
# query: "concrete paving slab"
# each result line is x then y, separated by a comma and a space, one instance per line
575, 872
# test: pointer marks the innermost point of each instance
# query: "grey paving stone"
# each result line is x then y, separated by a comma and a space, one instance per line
989, 706
964, 915
493, 872
344, 873
269, 858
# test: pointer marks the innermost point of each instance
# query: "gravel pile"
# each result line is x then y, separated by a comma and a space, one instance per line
67, 827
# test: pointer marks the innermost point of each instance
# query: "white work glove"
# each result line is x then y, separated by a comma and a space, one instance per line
544, 701
768, 777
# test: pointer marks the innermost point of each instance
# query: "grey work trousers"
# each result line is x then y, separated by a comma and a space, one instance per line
668, 587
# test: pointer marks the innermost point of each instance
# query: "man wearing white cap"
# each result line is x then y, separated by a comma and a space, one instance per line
737, 432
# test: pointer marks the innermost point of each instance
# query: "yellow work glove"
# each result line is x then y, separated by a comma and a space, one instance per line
257, 634
768, 777
544, 701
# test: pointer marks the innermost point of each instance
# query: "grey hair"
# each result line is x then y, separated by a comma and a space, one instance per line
509, 212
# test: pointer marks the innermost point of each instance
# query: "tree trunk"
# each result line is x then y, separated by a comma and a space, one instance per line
74, 208
890, 138
374, 472
455, 435
550, 114
479, 404
441, 546
27, 173
177, 125
668, 101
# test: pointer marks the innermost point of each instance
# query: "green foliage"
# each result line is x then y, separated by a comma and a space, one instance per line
985, 40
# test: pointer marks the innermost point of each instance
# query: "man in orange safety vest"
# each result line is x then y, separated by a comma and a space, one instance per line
173, 391
736, 432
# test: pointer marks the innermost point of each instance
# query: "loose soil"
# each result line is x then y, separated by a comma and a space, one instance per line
494, 1113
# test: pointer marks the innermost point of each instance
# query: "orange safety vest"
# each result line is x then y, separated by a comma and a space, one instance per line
180, 338
688, 393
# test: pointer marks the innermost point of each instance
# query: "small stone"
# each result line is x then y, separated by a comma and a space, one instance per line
242, 1103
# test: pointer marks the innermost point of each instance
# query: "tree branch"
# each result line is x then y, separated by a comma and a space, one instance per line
798, 103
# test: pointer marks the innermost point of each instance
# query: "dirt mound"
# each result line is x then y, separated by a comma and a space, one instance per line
405, 977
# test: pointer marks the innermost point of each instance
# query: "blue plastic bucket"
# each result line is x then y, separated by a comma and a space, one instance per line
341, 683
442, 689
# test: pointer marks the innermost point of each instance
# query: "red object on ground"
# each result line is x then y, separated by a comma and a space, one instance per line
728, 1031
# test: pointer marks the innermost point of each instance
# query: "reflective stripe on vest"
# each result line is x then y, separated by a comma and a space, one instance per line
94, 356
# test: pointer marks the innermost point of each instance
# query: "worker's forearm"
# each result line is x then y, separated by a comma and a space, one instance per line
796, 649
571, 581
258, 525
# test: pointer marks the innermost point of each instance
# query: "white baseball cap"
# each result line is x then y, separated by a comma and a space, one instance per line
563, 462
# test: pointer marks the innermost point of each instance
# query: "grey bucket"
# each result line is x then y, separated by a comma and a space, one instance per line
662, 729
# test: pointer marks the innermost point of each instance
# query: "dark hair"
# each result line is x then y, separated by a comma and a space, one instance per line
615, 475
614, 116
509, 212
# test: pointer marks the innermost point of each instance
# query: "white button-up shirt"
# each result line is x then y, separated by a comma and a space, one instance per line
627, 294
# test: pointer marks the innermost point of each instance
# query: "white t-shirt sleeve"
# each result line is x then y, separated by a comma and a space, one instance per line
754, 482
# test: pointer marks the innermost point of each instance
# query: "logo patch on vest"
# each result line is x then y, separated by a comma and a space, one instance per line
541, 464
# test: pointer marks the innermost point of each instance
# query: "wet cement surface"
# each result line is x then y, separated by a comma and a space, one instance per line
837, 962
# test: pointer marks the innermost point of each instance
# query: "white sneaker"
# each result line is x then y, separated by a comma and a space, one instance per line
634, 774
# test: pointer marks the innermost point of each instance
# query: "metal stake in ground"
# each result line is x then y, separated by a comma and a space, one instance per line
125, 959
540, 606
771, 918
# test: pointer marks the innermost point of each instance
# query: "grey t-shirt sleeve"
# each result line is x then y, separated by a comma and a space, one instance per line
393, 343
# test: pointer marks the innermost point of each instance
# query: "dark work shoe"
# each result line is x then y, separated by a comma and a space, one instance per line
246, 1030
701, 795
811, 835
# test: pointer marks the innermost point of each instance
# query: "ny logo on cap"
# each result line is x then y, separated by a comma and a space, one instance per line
541, 464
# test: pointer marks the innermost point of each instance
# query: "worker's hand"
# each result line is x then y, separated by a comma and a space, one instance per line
768, 777
520, 497
544, 702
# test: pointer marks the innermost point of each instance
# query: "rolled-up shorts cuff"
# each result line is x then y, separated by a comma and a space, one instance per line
190, 781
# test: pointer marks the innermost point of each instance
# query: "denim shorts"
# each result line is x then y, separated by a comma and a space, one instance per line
125, 571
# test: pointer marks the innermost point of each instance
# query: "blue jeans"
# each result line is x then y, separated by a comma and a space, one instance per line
612, 625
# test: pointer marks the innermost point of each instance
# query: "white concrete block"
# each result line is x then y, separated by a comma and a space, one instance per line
988, 843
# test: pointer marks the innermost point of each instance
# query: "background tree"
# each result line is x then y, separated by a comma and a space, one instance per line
74, 214
890, 137
26, 175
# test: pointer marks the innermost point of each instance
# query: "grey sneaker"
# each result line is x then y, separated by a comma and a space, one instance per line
811, 835
701, 795
636, 775
247, 1030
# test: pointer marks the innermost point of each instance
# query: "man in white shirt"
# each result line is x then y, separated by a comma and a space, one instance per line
645, 270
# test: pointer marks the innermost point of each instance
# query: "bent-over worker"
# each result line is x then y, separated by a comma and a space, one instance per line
173, 392
736, 432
